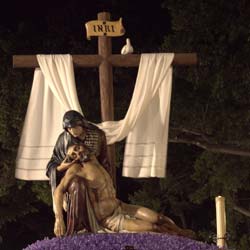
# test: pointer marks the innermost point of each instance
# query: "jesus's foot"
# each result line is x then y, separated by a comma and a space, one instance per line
173, 229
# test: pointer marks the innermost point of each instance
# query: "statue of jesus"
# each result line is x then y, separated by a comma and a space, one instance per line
110, 212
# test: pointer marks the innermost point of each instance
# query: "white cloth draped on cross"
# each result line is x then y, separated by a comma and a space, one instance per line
145, 124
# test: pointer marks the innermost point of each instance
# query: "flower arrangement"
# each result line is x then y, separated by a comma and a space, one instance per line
120, 241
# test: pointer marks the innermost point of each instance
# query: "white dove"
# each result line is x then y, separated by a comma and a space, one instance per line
127, 49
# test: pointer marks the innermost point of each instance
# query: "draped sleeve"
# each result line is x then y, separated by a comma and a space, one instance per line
60, 150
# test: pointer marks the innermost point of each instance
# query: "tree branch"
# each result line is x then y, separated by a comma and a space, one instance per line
204, 141
241, 210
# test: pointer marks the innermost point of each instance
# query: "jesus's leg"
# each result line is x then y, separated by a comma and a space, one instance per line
158, 222
135, 225
144, 213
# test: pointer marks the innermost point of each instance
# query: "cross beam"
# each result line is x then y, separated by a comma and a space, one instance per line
116, 60
105, 60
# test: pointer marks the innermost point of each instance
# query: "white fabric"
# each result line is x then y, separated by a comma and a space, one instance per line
145, 124
147, 119
50, 98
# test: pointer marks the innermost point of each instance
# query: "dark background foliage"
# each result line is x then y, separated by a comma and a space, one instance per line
209, 101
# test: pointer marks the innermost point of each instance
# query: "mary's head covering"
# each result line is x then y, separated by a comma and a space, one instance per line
73, 118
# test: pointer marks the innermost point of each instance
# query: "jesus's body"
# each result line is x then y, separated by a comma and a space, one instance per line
99, 184
103, 199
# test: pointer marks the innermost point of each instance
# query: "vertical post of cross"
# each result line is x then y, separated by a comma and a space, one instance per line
106, 86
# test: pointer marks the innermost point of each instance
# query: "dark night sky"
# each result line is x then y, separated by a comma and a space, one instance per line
147, 16
15, 10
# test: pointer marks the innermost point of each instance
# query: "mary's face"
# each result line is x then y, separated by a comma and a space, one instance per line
76, 131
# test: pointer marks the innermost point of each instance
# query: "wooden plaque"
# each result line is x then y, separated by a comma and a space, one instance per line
104, 28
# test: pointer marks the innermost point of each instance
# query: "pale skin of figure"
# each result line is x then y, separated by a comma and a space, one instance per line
102, 194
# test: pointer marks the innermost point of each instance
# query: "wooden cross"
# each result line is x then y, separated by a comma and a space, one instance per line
105, 60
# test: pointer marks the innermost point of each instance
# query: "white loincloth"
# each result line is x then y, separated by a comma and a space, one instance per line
115, 221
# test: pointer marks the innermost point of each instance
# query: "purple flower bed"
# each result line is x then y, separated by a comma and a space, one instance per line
120, 241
